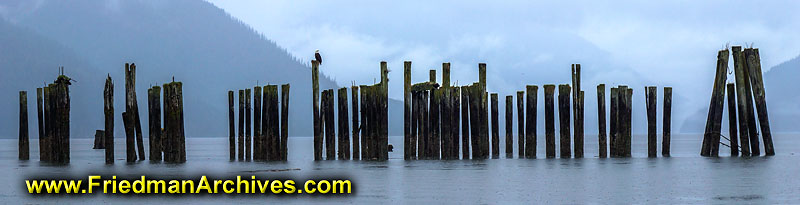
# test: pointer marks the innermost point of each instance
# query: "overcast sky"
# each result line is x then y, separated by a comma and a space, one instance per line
671, 43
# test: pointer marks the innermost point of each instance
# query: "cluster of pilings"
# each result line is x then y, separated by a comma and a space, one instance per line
748, 85
270, 129
370, 137
53, 106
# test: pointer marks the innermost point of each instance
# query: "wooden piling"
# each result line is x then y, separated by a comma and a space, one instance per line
509, 126
714, 121
174, 137
425, 127
132, 106
98, 139
434, 120
284, 145
650, 97
180, 129
732, 135
495, 128
474, 120
407, 153
530, 126
40, 118
248, 140
355, 115
446, 118
316, 111
753, 63
154, 116
456, 108
344, 135
108, 111
129, 137
549, 121
613, 125
563, 118
257, 128
330, 130
241, 125
364, 126
601, 121
415, 126
24, 147
465, 131
231, 127
484, 116
383, 107
578, 133
521, 124
627, 129
755, 149
667, 122
739, 70
273, 123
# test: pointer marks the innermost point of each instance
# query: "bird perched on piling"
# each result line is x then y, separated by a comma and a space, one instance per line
318, 57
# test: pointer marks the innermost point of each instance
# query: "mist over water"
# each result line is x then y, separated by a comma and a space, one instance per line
684, 178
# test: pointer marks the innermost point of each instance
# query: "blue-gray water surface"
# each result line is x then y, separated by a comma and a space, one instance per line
683, 178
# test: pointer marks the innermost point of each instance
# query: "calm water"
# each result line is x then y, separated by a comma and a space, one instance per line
683, 178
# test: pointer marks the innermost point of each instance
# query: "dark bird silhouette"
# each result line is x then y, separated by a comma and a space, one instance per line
318, 57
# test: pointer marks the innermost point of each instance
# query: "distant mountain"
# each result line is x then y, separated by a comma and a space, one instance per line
782, 105
190, 40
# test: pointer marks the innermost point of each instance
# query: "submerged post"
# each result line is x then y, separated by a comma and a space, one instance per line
434, 110
154, 115
578, 135
530, 126
563, 118
613, 125
231, 127
258, 152
465, 131
248, 139
711, 137
356, 129
24, 147
495, 127
108, 111
241, 125
739, 70
40, 117
601, 121
549, 121
284, 152
626, 132
344, 135
650, 97
521, 124
667, 123
753, 63
315, 111
330, 130
732, 135
407, 153
509, 126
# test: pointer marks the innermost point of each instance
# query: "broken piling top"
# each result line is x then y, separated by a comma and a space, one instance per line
446, 74
482, 75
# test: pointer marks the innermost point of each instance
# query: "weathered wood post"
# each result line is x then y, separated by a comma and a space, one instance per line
509, 126
330, 130
266, 142
356, 128
45, 139
626, 133
495, 128
474, 120
384, 112
248, 140
129, 137
273, 127
530, 127
613, 122
108, 111
407, 152
667, 122
714, 121
51, 114
732, 135
258, 150
364, 125
315, 113
415, 126
465, 122
755, 149
175, 140
24, 147
549, 121
650, 97
40, 118
753, 62
98, 139
285, 88
577, 110
154, 116
521, 124
180, 129
563, 118
434, 110
425, 127
601, 121
455, 116
739, 70
344, 135
132, 106
578, 135
63, 120
446, 119
231, 126
484, 112
241, 125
